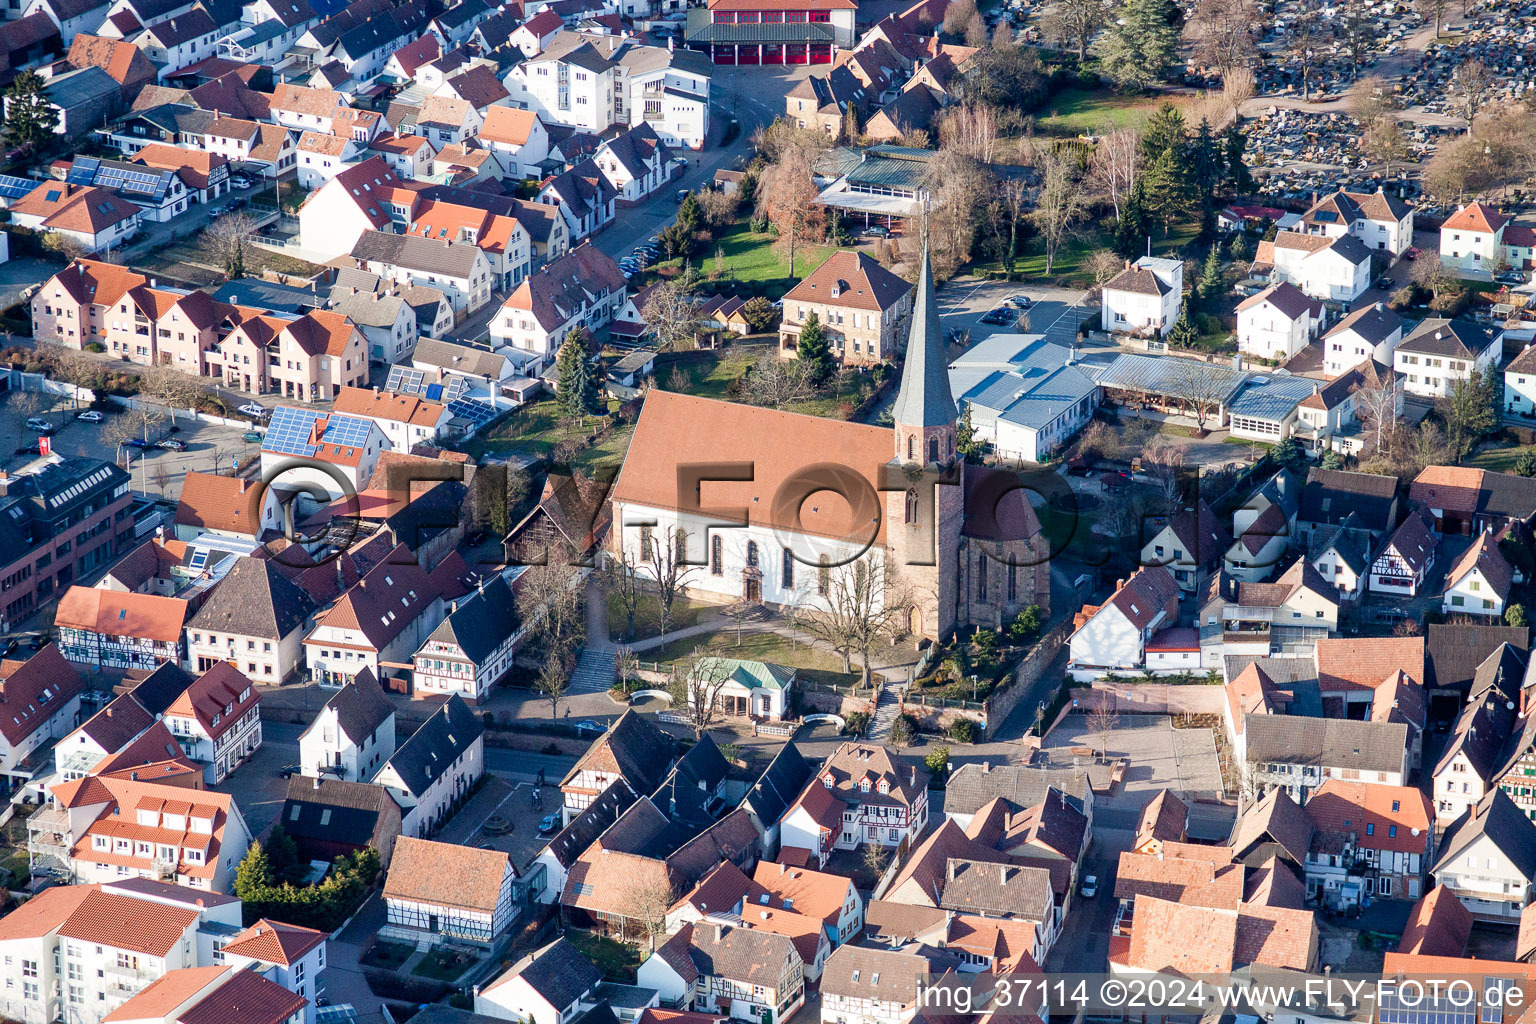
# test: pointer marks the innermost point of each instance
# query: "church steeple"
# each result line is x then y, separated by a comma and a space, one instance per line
925, 413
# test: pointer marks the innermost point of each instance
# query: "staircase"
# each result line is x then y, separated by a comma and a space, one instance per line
887, 710
596, 671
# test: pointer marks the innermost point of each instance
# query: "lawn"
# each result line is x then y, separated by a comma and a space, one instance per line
617, 960
1075, 251
443, 965
1086, 111
1498, 460
648, 616
750, 259
815, 665
710, 373
534, 430
388, 955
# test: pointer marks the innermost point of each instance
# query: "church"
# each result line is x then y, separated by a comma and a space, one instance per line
769, 505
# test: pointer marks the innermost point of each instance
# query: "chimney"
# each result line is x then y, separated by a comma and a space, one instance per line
1381, 307
719, 931
317, 782
375, 391
949, 868
986, 766
912, 775
1472, 812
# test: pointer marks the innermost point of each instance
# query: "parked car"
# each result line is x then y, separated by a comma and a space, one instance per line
238, 203
253, 409
240, 183
290, 770
683, 193
878, 231
136, 442
587, 727
549, 824
90, 416
252, 437
1411, 254
171, 444
1510, 277
1020, 301
999, 316
29, 449
42, 426
215, 212
1090, 887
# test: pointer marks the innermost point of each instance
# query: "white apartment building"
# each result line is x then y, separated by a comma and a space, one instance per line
1371, 332
1145, 296
1278, 322
1439, 353
352, 735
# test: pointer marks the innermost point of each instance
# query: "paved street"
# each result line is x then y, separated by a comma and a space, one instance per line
1083, 945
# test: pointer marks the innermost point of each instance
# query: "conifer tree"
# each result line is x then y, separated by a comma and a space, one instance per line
575, 391
814, 351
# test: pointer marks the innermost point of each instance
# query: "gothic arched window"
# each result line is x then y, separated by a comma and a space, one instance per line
911, 516
911, 447
933, 449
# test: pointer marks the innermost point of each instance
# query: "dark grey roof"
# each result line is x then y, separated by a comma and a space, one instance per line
254, 599
925, 399
433, 748
634, 148
1459, 339
691, 782
1454, 651
743, 955
159, 690
1351, 248
456, 259
360, 707
558, 972
1334, 742
116, 725
997, 890
572, 841
1488, 720
1332, 494
480, 622
634, 746
442, 1013
1503, 823
974, 785
779, 785
1375, 323
354, 810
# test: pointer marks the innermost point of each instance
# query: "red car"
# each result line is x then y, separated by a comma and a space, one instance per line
1411, 254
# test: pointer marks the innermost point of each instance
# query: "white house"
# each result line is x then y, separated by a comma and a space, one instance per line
668, 90
255, 619
548, 986
1371, 332
297, 438
1400, 567
361, 198
584, 288
749, 688
460, 270
1144, 296
572, 81
636, 163
432, 771
284, 954
1520, 384
322, 157
1189, 544
1439, 353
217, 720
1114, 635
48, 688
1342, 556
727, 967
518, 138
1487, 857
1472, 240
1278, 322
1028, 401
1258, 549
405, 420
353, 734
1478, 582
473, 646
1336, 270
536, 33
448, 892
1381, 221
859, 796
94, 218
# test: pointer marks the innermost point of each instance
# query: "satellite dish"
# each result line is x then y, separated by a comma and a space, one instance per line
1415, 831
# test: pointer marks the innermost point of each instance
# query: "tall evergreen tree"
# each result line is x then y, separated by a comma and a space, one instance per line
1164, 130
966, 442
1138, 50
814, 351
1208, 167
1171, 193
1239, 180
1183, 333
1131, 232
30, 117
575, 390
1211, 282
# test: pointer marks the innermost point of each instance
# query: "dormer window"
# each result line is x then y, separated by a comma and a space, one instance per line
885, 786
863, 785
826, 780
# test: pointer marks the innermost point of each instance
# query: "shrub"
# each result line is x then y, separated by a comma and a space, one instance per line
95, 346
937, 763
962, 730
855, 722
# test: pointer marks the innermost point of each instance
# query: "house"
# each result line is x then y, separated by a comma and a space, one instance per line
1114, 635
633, 750
635, 162
106, 629
1259, 548
772, 793
433, 770
571, 81
1400, 567
669, 93
860, 795
1298, 754
1487, 857
473, 646
727, 891
1440, 353
1296, 608
1189, 544
1144, 297
254, 619
548, 986
1024, 395
309, 357
1465, 500
327, 818
1369, 842
498, 231
352, 735
518, 138
1488, 738
1382, 222
1370, 332
533, 35
863, 309
748, 973
1278, 322
96, 219
217, 721
1342, 555
1334, 270
460, 270
1520, 384
1190, 939
1478, 582
582, 289
752, 689
568, 844
822, 102
282, 954
1330, 496
125, 62
1438, 925
852, 989
405, 420
718, 34
361, 198
68, 20
43, 693
831, 898
1164, 820
461, 893
103, 827
1472, 240
583, 196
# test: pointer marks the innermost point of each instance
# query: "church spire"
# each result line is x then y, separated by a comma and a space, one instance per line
925, 399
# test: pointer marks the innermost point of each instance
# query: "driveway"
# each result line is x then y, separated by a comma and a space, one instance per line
1083, 945
257, 787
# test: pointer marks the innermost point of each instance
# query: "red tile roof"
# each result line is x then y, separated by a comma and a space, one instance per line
111, 613
274, 942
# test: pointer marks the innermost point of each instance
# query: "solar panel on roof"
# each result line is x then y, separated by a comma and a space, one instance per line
348, 431
475, 412
12, 187
434, 392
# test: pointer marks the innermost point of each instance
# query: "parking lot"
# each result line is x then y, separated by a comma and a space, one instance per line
156, 471
964, 302
1160, 757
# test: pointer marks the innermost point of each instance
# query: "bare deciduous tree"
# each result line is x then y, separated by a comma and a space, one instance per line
1201, 387
1224, 32
1076, 22
646, 900
621, 579
1102, 722
1306, 40
1163, 461
958, 15
860, 606
1237, 88
673, 315
1376, 404
785, 192
175, 389
1434, 9
554, 678
550, 600
1357, 33
1469, 88
670, 569
778, 382
1115, 165
226, 239
1431, 274
970, 128
695, 687
1103, 264
1059, 204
